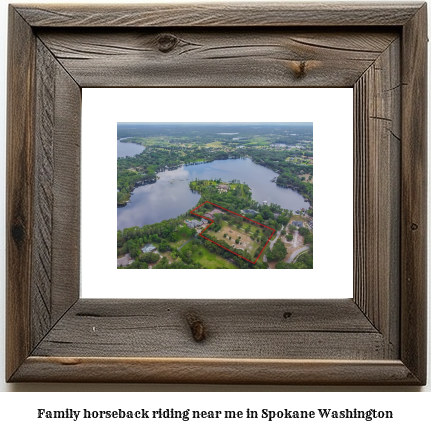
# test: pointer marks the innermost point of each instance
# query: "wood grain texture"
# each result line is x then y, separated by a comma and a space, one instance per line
220, 15
235, 329
43, 194
214, 57
215, 371
414, 195
19, 199
55, 278
377, 149
67, 194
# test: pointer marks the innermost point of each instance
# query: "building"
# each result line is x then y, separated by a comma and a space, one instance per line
193, 223
298, 223
124, 261
148, 248
223, 188
249, 211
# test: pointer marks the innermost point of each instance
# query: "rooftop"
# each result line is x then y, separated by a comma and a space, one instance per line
148, 248
193, 223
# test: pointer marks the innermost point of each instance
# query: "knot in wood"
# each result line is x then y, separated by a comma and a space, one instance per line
166, 42
301, 69
18, 233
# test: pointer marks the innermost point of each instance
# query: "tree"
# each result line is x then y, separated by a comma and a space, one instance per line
164, 263
289, 237
278, 251
185, 232
308, 238
149, 257
174, 237
303, 231
267, 214
292, 228
138, 265
164, 246
155, 238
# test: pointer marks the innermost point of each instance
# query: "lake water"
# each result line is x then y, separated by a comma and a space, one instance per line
171, 196
128, 149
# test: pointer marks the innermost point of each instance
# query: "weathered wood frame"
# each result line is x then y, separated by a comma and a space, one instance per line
378, 337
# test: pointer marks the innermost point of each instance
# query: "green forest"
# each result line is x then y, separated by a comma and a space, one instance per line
179, 247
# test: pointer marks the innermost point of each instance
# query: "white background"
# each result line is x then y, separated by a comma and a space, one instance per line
330, 110
19, 409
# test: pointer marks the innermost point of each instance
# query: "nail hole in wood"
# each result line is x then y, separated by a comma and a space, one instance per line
287, 314
414, 226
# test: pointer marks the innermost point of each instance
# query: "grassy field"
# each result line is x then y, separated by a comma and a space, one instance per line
234, 232
178, 243
216, 144
241, 188
207, 259
168, 256
307, 178
296, 217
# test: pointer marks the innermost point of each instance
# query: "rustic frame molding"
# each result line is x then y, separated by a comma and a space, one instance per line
379, 337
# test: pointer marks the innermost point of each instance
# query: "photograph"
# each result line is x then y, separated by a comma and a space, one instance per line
226, 117
215, 195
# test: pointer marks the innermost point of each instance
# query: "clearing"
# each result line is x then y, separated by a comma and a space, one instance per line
247, 241
207, 259
216, 144
241, 236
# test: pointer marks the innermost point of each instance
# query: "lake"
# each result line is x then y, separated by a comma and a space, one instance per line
128, 149
171, 196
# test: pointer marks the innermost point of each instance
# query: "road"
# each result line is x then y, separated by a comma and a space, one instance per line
271, 243
181, 246
295, 254
295, 238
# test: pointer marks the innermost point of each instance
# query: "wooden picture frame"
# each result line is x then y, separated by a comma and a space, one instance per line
378, 337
